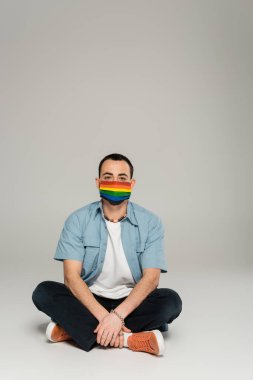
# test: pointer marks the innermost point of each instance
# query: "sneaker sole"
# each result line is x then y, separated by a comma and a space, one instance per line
160, 342
160, 339
49, 330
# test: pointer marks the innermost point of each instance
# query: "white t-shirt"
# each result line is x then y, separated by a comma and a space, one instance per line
115, 279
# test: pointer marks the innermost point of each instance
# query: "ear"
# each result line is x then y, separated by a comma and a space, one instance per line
132, 183
97, 182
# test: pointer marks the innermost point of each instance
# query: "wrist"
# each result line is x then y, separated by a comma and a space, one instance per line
121, 312
118, 316
103, 315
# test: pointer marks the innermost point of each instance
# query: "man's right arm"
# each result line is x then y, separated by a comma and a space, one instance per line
74, 282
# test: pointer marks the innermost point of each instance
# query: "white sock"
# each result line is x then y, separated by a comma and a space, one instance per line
126, 335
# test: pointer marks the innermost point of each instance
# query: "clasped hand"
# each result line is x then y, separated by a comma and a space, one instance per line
108, 331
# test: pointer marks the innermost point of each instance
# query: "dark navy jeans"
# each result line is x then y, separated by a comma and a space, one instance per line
53, 298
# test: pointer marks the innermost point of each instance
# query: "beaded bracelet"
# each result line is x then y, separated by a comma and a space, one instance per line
121, 318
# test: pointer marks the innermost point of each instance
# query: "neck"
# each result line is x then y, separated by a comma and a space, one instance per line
114, 211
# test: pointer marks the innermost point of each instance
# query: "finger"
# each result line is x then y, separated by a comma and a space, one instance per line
116, 344
113, 340
108, 339
100, 335
114, 337
96, 329
121, 341
124, 328
102, 338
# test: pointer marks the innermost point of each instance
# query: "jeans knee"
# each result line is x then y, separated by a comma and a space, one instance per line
41, 295
173, 297
178, 302
180, 305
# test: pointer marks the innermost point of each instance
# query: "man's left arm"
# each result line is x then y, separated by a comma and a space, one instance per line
152, 262
146, 285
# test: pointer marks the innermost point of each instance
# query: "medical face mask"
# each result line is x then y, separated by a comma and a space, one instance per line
115, 192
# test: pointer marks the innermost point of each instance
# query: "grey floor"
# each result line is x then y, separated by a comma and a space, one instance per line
211, 339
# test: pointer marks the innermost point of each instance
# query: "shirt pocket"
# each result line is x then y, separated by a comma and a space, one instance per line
92, 248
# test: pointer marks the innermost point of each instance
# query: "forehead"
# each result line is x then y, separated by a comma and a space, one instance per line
115, 167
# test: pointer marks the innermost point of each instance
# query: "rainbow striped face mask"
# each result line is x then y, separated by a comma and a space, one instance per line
115, 192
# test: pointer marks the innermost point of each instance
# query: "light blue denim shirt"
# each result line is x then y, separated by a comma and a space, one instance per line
84, 238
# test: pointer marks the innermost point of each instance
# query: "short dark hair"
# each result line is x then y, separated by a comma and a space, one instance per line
116, 157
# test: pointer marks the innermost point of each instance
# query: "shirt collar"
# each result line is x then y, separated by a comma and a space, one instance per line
130, 212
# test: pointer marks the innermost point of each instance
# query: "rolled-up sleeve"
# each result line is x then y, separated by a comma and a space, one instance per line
153, 255
70, 245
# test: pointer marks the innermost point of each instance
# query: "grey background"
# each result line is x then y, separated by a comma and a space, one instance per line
168, 84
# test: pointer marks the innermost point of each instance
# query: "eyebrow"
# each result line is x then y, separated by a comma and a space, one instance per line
120, 174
